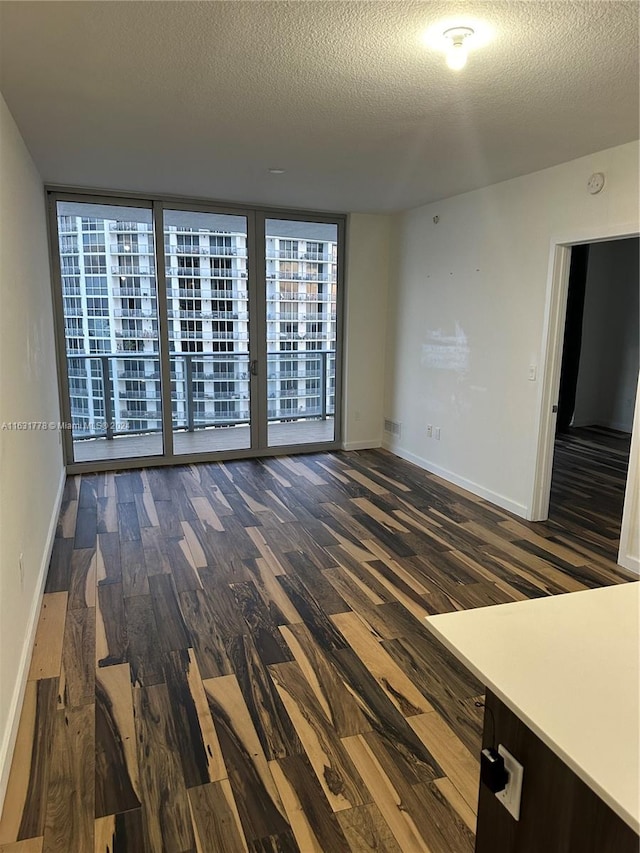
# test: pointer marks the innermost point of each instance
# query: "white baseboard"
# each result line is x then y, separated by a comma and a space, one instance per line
369, 444
493, 497
630, 563
15, 708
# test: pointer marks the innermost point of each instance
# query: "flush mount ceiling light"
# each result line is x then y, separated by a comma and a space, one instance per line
457, 38
458, 51
276, 171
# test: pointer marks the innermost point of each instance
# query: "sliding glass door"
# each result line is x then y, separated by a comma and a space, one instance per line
189, 332
208, 322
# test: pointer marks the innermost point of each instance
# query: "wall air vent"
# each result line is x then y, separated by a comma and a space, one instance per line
392, 427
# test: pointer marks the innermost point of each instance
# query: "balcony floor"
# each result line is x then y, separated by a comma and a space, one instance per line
212, 440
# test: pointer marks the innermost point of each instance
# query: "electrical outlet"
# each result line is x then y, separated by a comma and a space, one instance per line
436, 433
512, 794
21, 565
429, 430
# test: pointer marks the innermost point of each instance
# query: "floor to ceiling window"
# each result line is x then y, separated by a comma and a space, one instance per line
301, 267
111, 335
187, 330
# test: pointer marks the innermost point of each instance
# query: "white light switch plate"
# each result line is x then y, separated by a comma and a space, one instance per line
510, 797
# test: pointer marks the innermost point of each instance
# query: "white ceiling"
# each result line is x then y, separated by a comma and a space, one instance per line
202, 98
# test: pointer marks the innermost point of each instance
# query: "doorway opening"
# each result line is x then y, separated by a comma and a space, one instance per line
596, 392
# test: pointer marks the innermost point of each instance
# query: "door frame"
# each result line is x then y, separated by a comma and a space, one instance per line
256, 216
552, 346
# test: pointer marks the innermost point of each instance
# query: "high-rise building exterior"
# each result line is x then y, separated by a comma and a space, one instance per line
111, 317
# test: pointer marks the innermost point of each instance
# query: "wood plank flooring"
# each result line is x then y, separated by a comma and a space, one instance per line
230, 657
587, 492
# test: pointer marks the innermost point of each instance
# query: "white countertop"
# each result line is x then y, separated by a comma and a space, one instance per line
568, 667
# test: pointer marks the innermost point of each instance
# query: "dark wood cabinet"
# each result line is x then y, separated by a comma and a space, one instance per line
559, 813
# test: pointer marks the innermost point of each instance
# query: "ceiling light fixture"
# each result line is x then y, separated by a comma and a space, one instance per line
456, 37
276, 171
457, 51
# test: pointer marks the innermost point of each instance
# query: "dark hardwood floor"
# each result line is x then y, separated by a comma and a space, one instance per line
231, 657
587, 489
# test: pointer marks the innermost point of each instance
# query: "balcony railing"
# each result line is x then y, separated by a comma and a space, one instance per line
207, 315
132, 269
316, 256
190, 272
146, 415
143, 293
137, 334
138, 394
134, 374
198, 272
121, 249
197, 378
215, 335
301, 276
302, 317
133, 312
211, 251
205, 293
289, 255
130, 227
298, 296
314, 317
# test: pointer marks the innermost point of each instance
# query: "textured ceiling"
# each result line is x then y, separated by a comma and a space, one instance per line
202, 98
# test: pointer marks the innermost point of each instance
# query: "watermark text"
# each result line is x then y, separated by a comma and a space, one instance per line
85, 426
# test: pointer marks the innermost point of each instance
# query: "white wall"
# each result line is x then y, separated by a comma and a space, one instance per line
608, 374
468, 298
367, 277
31, 471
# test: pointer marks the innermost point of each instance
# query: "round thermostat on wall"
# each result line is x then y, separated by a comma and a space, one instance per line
595, 183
